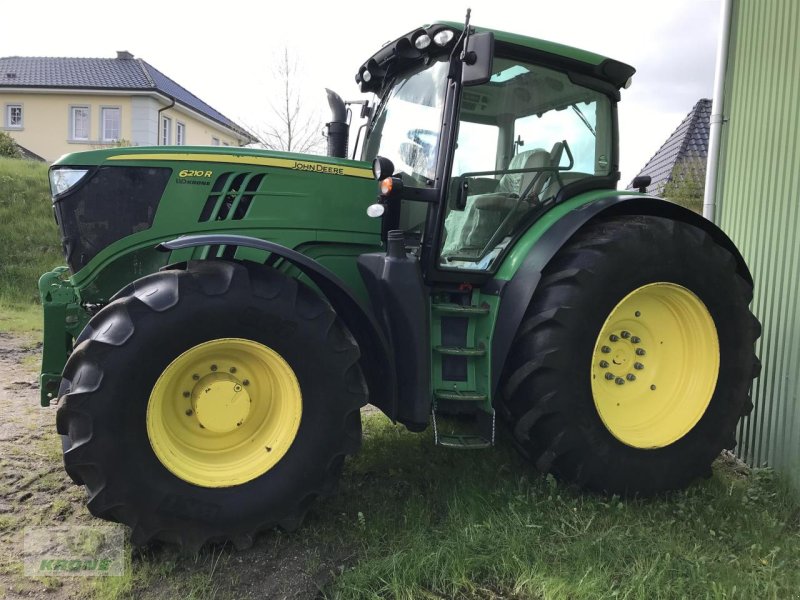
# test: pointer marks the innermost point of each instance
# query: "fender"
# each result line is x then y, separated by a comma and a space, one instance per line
517, 292
377, 360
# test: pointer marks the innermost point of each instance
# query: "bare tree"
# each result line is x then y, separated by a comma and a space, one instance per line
294, 127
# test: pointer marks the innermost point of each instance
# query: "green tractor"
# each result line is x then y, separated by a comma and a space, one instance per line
226, 313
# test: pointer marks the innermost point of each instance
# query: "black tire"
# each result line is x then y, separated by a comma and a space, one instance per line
125, 347
547, 393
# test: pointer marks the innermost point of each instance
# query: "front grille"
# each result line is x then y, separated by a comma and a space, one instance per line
112, 203
231, 196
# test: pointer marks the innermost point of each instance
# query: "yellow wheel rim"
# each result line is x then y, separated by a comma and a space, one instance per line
224, 412
655, 365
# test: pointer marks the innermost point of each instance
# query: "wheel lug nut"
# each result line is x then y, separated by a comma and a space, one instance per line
625, 334
635, 340
613, 338
638, 366
619, 381
189, 412
603, 364
232, 369
653, 387
213, 367
186, 394
605, 349
195, 376
609, 376
630, 377
640, 352
237, 388
246, 382
638, 314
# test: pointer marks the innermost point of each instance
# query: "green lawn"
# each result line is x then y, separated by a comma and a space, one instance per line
413, 521
29, 234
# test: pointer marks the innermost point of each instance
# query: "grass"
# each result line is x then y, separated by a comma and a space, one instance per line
30, 239
419, 522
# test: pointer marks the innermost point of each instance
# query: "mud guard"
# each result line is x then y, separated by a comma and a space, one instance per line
377, 360
517, 292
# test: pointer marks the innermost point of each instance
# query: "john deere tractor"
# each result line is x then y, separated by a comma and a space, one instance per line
226, 313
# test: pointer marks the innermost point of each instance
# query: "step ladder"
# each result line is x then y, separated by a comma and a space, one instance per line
461, 371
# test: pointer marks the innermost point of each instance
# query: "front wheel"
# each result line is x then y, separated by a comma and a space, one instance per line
209, 403
634, 361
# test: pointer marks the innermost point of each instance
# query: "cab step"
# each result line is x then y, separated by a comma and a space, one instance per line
482, 434
458, 309
458, 395
460, 351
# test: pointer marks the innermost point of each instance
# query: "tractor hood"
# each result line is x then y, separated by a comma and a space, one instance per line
124, 201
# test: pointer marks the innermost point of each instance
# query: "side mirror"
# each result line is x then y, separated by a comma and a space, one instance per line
478, 58
641, 182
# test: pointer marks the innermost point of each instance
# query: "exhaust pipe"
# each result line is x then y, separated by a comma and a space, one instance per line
337, 130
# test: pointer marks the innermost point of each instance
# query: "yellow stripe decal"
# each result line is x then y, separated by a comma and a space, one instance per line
282, 163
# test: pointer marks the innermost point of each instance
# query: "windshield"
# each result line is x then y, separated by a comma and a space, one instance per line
406, 127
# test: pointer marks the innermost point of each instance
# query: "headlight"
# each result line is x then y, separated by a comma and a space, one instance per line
61, 179
443, 37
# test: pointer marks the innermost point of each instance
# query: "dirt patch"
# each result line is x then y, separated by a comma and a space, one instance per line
36, 492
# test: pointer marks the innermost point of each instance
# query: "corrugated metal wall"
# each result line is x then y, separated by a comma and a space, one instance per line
759, 207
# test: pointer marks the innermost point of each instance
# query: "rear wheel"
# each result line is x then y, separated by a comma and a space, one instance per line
210, 402
634, 361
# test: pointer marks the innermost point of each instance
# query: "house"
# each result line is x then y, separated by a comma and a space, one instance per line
685, 152
52, 106
752, 193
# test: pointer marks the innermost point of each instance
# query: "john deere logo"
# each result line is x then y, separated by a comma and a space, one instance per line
318, 168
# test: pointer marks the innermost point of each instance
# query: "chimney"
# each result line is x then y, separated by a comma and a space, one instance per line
124, 55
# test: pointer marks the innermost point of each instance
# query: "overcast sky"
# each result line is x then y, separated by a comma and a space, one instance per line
222, 51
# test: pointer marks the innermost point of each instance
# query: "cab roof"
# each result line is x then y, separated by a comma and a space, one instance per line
395, 55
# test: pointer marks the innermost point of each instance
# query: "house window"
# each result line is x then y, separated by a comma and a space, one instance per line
180, 134
166, 131
214, 141
79, 129
14, 116
110, 121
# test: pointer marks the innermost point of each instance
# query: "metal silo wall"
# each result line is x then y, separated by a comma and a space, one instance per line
759, 207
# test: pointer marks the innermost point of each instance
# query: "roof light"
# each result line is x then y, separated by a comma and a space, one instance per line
628, 83
366, 76
422, 41
443, 37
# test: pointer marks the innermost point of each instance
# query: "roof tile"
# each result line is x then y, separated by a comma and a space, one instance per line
689, 140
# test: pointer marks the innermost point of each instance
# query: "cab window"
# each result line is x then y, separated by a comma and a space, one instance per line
522, 137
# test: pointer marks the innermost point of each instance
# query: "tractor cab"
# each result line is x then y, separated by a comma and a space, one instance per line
483, 141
